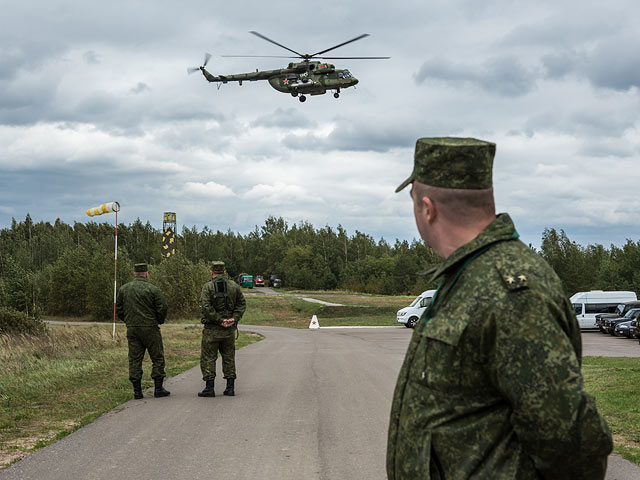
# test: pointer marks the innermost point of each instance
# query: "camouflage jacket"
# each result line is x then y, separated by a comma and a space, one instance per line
216, 306
141, 304
491, 386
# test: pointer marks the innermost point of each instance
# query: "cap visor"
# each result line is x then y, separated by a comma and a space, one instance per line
405, 183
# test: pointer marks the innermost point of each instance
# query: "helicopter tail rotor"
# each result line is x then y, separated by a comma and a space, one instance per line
207, 57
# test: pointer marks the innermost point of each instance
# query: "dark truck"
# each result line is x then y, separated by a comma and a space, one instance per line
621, 311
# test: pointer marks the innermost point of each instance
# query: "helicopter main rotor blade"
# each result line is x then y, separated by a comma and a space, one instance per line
354, 58
258, 56
275, 43
342, 44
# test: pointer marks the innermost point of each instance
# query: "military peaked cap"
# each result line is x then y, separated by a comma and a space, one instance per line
449, 162
217, 266
140, 268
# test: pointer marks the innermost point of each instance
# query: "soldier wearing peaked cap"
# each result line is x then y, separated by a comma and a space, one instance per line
222, 305
491, 386
141, 306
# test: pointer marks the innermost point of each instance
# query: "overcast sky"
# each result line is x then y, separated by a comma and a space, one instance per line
96, 106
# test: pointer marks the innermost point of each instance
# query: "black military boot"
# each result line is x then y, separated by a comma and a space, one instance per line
229, 391
159, 390
137, 389
208, 390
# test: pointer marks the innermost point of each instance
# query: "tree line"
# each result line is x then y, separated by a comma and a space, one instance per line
67, 270
61, 269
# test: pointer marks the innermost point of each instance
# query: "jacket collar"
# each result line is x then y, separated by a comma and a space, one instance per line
502, 228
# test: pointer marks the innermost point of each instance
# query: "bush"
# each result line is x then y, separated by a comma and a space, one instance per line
181, 283
13, 321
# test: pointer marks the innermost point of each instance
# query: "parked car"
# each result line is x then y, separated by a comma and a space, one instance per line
275, 281
610, 323
410, 315
621, 310
258, 281
623, 329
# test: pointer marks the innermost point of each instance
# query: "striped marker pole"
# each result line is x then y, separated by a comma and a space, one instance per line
109, 208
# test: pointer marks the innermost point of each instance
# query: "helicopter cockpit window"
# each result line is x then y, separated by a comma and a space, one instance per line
340, 75
347, 74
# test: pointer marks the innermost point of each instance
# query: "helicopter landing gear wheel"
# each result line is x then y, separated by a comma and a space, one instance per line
294, 94
302, 98
336, 95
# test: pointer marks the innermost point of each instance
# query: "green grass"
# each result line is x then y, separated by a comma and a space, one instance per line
54, 384
615, 383
289, 311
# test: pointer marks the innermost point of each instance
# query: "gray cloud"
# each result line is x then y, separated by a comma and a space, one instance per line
614, 63
91, 57
140, 88
558, 64
504, 76
284, 118
357, 134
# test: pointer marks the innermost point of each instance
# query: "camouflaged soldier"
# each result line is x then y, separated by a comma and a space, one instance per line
141, 306
491, 386
222, 305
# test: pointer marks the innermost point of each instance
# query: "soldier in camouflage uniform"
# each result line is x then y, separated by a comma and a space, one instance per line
222, 305
491, 386
141, 306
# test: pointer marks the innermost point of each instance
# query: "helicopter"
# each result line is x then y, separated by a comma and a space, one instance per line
306, 77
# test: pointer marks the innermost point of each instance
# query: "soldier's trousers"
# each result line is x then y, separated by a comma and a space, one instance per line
212, 342
143, 339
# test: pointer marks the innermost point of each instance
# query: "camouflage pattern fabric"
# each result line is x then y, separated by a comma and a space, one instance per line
139, 340
211, 344
215, 308
141, 304
217, 266
449, 162
491, 386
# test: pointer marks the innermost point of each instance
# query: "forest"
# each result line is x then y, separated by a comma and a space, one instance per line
67, 270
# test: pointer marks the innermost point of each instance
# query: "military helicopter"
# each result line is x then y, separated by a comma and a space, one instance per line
308, 77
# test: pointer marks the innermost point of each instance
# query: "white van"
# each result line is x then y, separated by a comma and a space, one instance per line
588, 304
411, 314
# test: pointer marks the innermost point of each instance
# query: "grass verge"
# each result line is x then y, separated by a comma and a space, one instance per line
615, 383
56, 383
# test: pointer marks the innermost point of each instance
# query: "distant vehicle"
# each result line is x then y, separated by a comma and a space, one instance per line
410, 315
623, 329
275, 281
633, 329
610, 323
621, 309
588, 304
245, 280
258, 281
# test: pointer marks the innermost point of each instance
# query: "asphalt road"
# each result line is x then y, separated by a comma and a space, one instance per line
596, 344
309, 405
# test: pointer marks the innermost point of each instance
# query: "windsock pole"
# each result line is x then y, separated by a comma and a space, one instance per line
115, 278
108, 208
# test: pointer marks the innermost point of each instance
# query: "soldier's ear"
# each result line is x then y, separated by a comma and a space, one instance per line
430, 208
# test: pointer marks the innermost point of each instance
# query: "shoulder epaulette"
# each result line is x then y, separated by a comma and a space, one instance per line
512, 277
